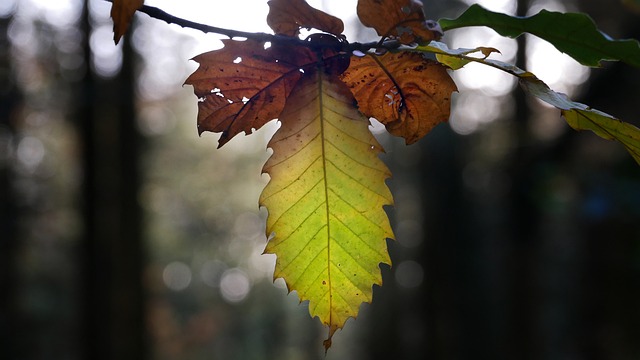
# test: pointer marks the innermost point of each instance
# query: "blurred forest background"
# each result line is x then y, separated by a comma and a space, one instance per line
124, 235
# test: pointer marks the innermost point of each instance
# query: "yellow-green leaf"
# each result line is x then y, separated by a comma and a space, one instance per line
450, 58
325, 201
578, 116
581, 117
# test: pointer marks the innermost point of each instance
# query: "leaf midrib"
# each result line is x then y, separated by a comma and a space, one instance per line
326, 186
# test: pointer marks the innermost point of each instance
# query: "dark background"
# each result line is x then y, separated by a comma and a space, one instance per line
510, 245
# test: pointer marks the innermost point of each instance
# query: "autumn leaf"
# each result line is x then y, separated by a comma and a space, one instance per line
404, 91
287, 17
122, 12
398, 19
243, 86
325, 201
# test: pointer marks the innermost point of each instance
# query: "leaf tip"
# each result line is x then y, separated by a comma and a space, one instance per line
122, 14
327, 343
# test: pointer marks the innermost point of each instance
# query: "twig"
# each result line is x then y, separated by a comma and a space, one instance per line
162, 15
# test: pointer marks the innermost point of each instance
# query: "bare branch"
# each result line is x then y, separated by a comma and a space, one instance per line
162, 15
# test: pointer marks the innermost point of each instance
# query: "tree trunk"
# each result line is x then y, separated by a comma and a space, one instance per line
10, 100
113, 247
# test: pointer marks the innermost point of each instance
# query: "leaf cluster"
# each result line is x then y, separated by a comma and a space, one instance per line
326, 220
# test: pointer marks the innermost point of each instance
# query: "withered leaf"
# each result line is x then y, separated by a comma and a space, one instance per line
287, 17
122, 12
399, 19
406, 92
243, 86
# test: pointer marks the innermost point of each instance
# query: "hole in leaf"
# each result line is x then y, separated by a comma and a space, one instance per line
238, 60
403, 30
301, 70
267, 45
245, 99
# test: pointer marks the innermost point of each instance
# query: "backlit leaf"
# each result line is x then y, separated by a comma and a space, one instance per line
404, 91
582, 117
579, 116
572, 33
399, 19
243, 85
287, 17
325, 201
450, 58
122, 12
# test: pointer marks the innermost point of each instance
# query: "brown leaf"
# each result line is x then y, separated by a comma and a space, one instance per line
287, 17
404, 91
243, 86
400, 19
122, 12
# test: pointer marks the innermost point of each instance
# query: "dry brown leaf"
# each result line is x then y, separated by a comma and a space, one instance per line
406, 92
399, 19
287, 17
243, 86
122, 12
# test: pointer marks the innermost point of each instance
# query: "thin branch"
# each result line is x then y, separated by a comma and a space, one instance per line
170, 19
162, 15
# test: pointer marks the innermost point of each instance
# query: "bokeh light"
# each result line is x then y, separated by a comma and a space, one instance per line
234, 285
177, 276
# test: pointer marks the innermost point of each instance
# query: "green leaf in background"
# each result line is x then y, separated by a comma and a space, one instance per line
578, 116
571, 33
582, 117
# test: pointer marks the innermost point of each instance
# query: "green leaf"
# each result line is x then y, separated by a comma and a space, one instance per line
579, 116
572, 33
451, 57
457, 58
582, 117
325, 201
